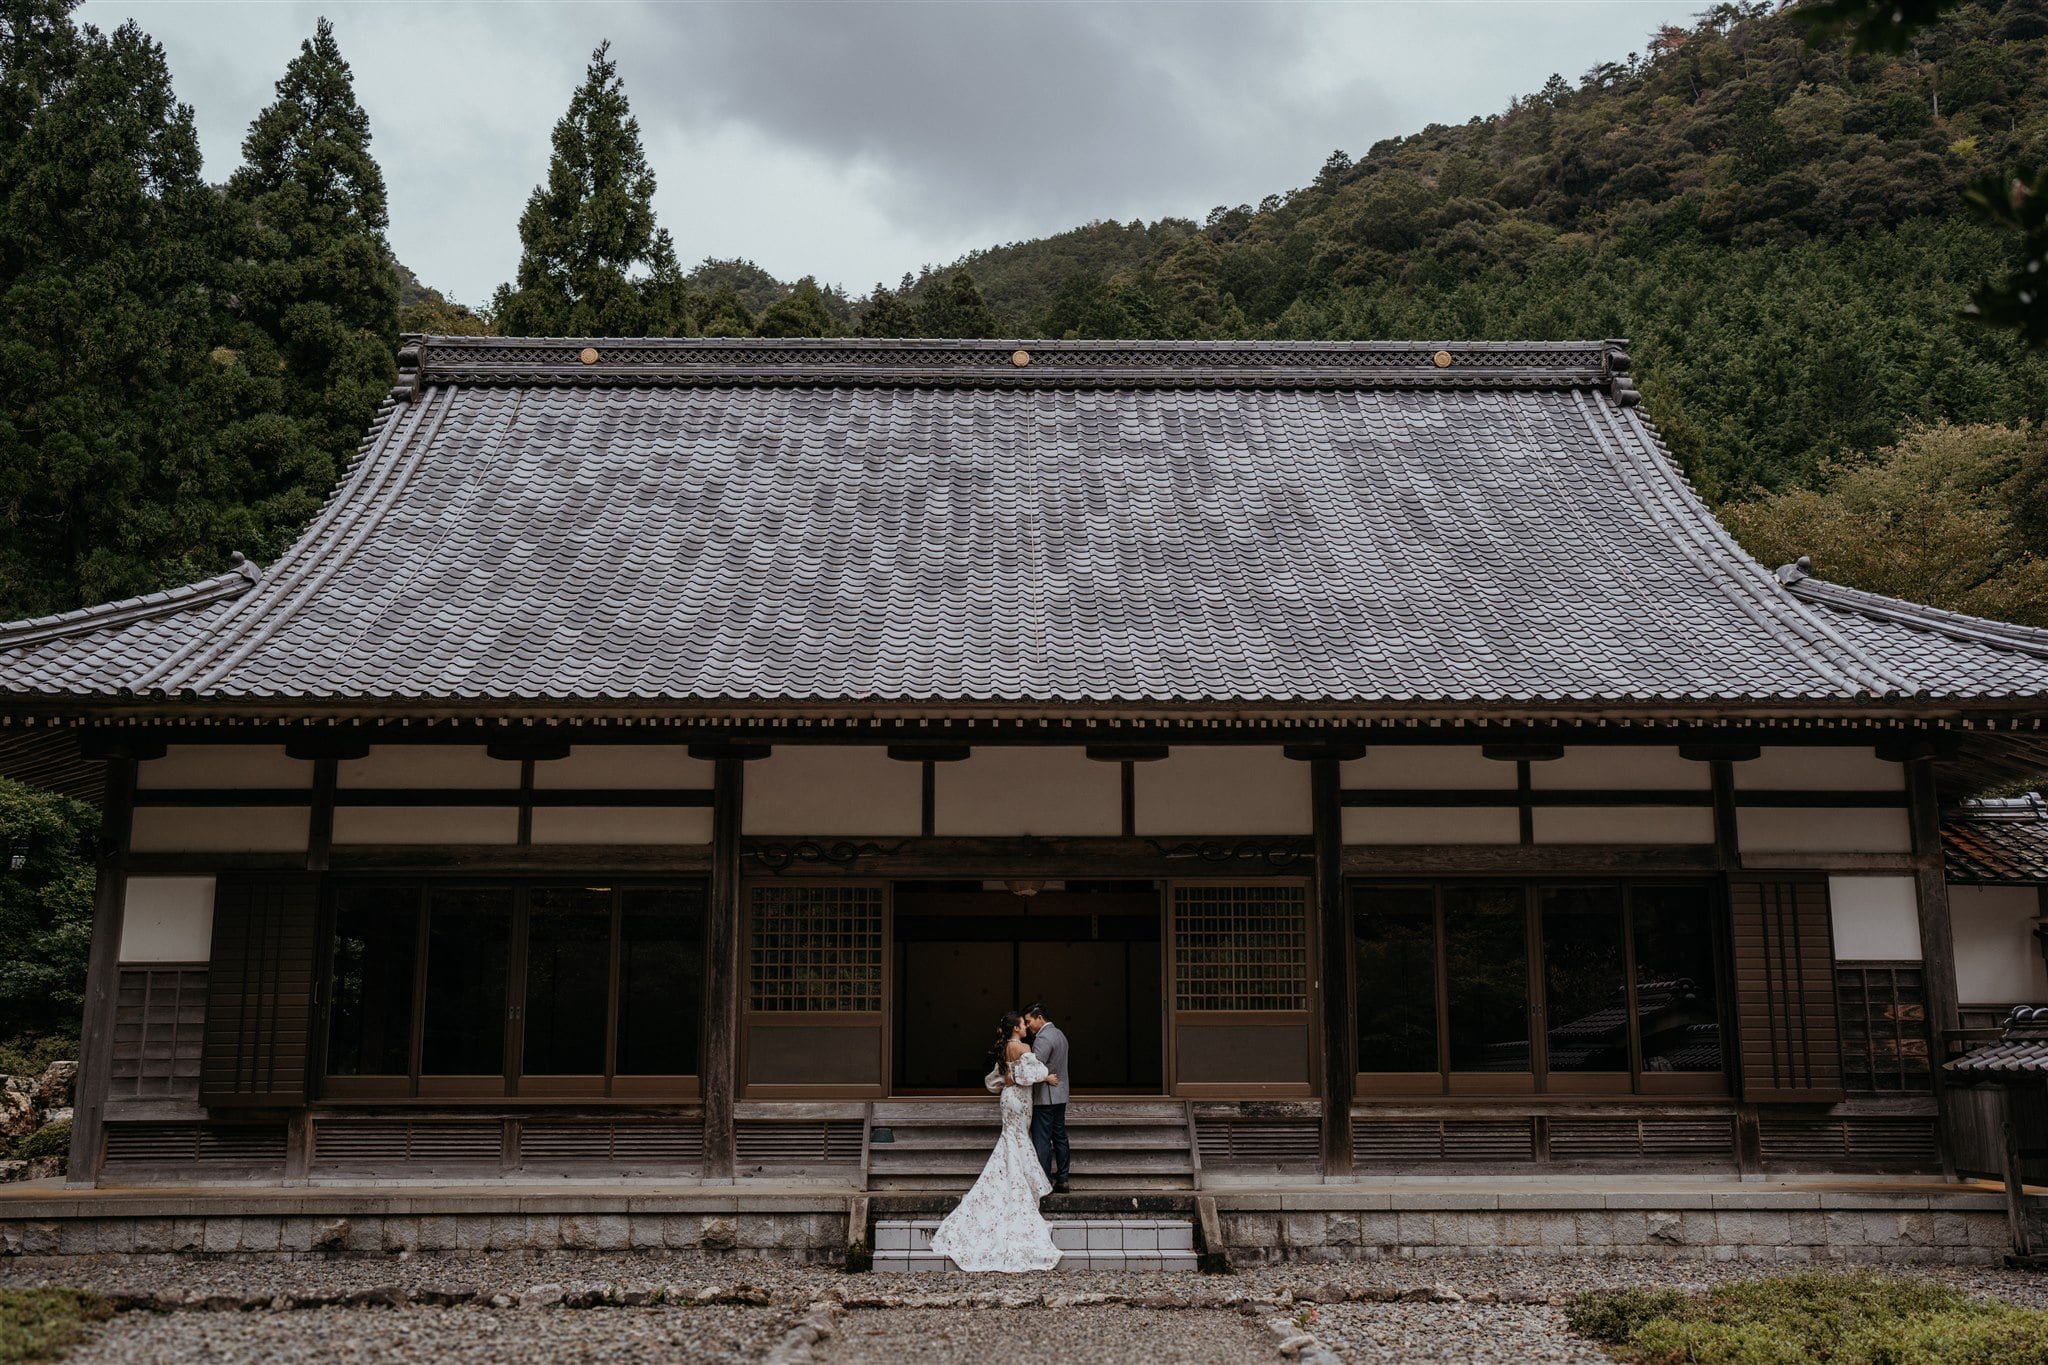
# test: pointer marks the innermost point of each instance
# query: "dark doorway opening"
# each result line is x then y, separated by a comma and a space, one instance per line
966, 954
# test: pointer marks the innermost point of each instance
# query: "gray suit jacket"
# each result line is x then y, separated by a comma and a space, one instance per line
1051, 1047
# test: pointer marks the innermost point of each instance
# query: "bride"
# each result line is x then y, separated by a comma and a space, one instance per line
997, 1226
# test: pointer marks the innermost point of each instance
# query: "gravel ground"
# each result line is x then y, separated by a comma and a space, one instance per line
1484, 1309
1072, 1334
369, 1336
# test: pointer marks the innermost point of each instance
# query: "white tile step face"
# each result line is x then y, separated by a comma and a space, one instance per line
1086, 1244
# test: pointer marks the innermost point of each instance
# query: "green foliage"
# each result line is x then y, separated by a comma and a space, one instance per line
1950, 516
955, 309
316, 292
2017, 200
1863, 1317
30, 1054
50, 1140
108, 290
44, 1324
592, 261
888, 313
801, 314
1873, 25
45, 910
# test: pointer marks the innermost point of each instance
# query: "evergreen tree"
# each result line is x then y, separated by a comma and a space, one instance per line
724, 314
955, 309
592, 262
801, 314
317, 287
888, 313
108, 483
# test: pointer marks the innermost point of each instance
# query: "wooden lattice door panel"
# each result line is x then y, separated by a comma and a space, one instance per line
1242, 988
1789, 1037
815, 989
1885, 1038
159, 1030
259, 990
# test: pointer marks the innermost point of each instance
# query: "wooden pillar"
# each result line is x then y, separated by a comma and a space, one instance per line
1339, 1066
1937, 937
722, 969
103, 975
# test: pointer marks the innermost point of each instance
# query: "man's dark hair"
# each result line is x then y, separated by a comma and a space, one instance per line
1037, 1009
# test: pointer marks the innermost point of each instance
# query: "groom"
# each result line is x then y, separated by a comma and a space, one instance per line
1049, 1097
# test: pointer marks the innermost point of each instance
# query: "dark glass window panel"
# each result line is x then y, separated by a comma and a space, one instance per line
568, 981
1395, 936
1486, 965
469, 935
376, 943
1585, 988
1677, 1008
661, 982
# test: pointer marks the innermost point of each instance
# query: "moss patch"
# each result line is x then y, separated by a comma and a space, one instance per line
44, 1324
1862, 1317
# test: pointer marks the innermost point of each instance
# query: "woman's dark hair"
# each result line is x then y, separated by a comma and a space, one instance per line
1001, 1051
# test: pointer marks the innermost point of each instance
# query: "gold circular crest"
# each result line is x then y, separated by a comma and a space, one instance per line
1443, 360
1020, 358
588, 355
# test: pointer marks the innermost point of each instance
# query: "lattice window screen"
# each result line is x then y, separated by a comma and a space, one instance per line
1884, 1027
159, 1029
1240, 947
815, 948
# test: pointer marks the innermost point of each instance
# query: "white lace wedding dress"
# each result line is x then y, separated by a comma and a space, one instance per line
998, 1226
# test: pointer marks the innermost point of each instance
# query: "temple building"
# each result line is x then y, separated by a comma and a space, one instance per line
668, 758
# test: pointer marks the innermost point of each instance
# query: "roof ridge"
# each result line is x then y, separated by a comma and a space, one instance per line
109, 615
1745, 576
1013, 363
1799, 580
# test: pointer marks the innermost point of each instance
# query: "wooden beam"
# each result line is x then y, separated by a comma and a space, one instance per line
102, 976
1387, 860
1027, 856
722, 970
1338, 1068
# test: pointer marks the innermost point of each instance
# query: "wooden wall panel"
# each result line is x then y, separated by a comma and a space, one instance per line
259, 998
1788, 1036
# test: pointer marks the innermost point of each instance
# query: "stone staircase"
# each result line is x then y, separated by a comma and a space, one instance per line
1117, 1144
903, 1244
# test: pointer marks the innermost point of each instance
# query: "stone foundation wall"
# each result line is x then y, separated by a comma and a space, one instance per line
802, 1237
1776, 1236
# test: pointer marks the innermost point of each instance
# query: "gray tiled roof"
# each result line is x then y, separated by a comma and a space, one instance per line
2022, 1051
1997, 842
1119, 522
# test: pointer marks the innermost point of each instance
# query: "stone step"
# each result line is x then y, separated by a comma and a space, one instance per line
981, 1139
904, 1244
968, 1165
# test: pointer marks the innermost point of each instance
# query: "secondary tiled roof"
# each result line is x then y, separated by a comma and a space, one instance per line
2023, 1051
1026, 524
1997, 842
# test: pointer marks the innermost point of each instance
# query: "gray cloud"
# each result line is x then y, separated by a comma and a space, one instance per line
857, 140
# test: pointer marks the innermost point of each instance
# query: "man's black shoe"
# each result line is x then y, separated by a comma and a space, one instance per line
1061, 1188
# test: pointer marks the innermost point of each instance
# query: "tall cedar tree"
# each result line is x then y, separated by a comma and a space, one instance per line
593, 263
801, 314
954, 308
108, 483
889, 313
316, 287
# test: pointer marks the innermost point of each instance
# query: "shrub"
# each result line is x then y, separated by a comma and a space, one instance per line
43, 1324
54, 1140
30, 1054
1861, 1317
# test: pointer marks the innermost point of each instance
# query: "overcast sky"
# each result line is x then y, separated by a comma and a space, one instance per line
856, 141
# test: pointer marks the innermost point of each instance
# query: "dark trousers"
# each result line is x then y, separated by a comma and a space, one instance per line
1049, 1138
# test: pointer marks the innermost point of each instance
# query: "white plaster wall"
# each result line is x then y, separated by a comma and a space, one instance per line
1431, 825
1877, 919
1011, 791
1427, 767
621, 825
1620, 767
167, 919
834, 789
1622, 825
427, 765
1820, 767
622, 767
426, 825
224, 766
1821, 829
220, 829
1998, 959
1217, 789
